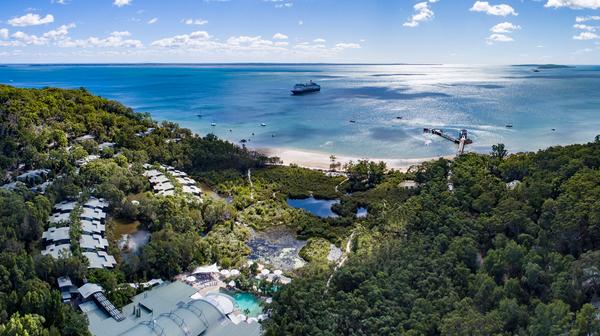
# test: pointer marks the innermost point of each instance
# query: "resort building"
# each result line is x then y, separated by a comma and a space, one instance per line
67, 290
86, 160
91, 243
408, 184
91, 220
106, 145
57, 235
57, 251
85, 138
32, 177
100, 259
168, 309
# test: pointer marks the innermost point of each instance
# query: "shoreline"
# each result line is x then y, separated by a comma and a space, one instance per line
321, 161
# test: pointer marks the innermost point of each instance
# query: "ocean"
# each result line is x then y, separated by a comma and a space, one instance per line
389, 104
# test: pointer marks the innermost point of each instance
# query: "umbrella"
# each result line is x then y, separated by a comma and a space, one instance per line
278, 272
265, 271
234, 272
191, 278
225, 273
231, 283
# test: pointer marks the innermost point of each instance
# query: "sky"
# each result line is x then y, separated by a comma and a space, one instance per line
336, 31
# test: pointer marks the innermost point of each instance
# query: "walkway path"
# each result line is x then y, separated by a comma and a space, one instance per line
337, 186
344, 257
251, 185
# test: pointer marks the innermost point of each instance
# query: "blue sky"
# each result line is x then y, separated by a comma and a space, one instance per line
425, 31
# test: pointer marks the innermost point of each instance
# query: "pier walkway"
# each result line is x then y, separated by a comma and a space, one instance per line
461, 141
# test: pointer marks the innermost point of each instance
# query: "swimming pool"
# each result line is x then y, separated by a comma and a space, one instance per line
247, 303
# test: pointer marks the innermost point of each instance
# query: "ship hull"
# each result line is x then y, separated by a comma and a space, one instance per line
301, 92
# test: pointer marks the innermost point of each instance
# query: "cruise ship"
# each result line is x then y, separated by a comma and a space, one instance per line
306, 88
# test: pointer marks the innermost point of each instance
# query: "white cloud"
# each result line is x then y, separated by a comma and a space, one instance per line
30, 19
574, 4
584, 27
499, 38
121, 3
300, 23
504, 28
195, 39
587, 18
585, 36
281, 44
27, 39
422, 13
60, 32
319, 40
280, 36
497, 10
3, 33
342, 46
153, 21
116, 39
197, 22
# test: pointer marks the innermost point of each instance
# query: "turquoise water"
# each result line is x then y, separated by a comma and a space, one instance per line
318, 207
246, 303
241, 97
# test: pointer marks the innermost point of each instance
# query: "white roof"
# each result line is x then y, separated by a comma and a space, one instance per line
152, 172
105, 145
57, 251
59, 217
92, 242
92, 214
57, 234
65, 206
96, 203
206, 269
85, 137
33, 173
164, 186
89, 289
159, 179
222, 302
100, 259
91, 227
166, 192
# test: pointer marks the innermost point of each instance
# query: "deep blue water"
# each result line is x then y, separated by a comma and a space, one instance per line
241, 97
317, 207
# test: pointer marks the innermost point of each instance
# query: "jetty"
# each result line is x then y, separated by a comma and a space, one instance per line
461, 141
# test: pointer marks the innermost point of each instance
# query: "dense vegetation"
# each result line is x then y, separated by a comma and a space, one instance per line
38, 129
484, 259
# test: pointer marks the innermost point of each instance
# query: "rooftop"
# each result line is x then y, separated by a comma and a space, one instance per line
54, 234
100, 259
167, 309
95, 203
65, 206
57, 251
92, 242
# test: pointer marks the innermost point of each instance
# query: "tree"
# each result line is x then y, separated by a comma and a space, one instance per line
550, 319
499, 151
26, 325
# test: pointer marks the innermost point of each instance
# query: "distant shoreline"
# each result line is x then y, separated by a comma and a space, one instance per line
321, 160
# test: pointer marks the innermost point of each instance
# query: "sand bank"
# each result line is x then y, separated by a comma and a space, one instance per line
319, 160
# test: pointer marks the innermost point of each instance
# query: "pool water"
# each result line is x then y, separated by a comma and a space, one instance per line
318, 207
247, 303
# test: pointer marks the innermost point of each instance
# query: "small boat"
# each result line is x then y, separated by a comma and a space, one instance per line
398, 117
306, 88
199, 115
509, 125
554, 130
536, 70
230, 130
263, 124
353, 121
213, 124
243, 141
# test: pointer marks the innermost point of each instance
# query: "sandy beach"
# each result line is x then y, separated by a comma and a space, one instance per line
321, 161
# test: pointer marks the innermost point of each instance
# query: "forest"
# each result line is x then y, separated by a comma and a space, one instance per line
487, 244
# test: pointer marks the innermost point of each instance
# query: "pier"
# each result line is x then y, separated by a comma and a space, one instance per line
461, 141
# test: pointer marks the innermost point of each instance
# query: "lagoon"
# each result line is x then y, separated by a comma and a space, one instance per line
318, 207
